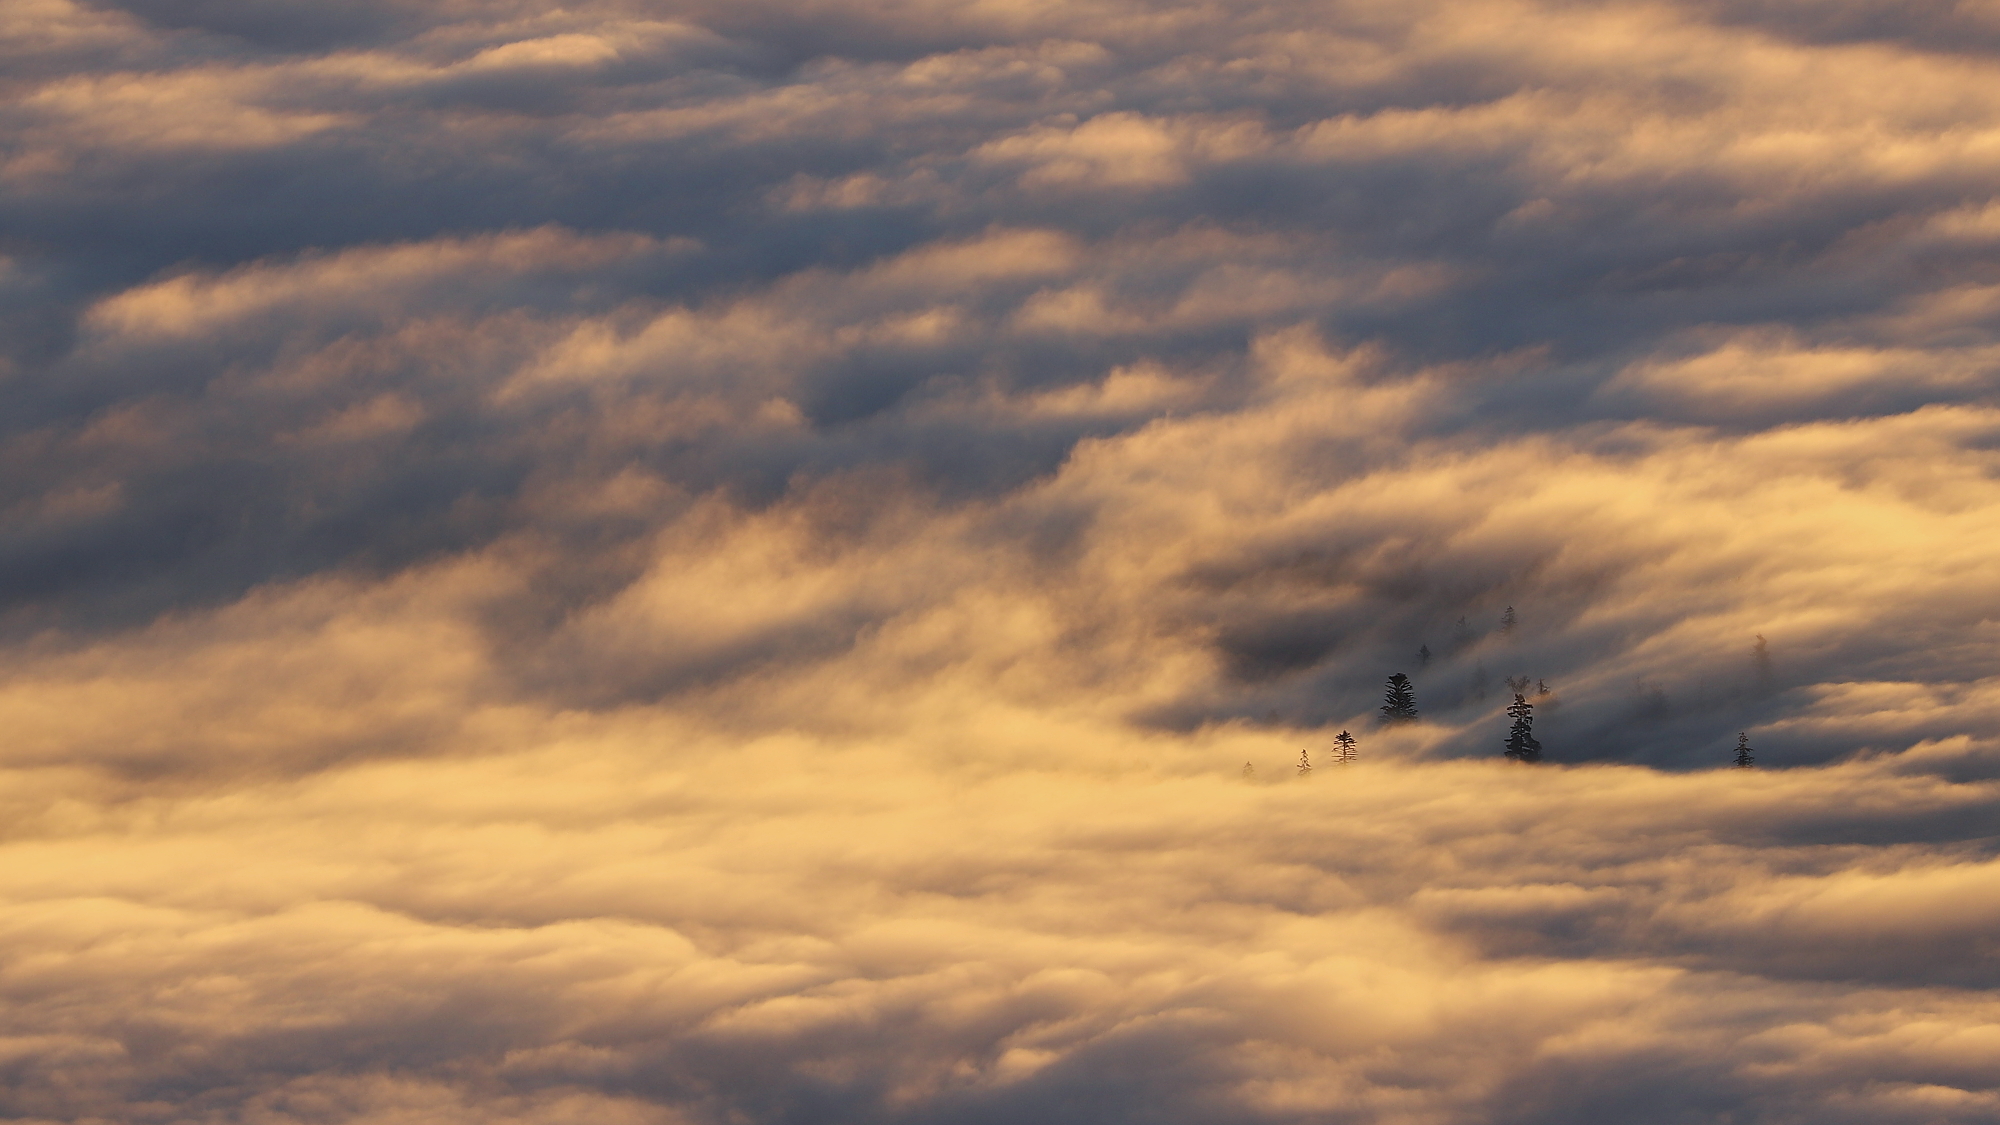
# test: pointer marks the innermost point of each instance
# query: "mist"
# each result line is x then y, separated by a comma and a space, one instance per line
697, 563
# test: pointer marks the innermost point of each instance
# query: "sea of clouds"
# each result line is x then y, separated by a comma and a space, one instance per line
772, 563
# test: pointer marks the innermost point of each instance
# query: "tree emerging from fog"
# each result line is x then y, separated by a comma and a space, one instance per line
1521, 743
1745, 756
1399, 702
1343, 748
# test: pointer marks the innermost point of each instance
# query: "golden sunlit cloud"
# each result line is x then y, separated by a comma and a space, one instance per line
751, 563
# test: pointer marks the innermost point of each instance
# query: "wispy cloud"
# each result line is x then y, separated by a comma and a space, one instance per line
775, 562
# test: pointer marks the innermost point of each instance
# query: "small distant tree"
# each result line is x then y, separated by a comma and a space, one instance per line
1249, 772
1517, 684
1745, 756
1508, 620
1521, 744
1542, 687
1305, 764
1343, 748
1423, 657
1399, 703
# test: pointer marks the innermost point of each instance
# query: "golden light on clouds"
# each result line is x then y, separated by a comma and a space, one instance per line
705, 564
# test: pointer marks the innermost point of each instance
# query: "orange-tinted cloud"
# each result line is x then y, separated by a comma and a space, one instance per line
780, 562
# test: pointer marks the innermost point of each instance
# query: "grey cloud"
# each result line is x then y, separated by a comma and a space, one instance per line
721, 563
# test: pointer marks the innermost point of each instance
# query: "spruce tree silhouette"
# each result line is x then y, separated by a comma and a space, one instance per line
1745, 757
1343, 748
1521, 744
1399, 703
1305, 764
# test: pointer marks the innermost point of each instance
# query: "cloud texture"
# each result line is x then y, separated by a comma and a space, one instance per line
772, 563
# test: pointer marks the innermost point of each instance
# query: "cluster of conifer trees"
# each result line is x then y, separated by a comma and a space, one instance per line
1399, 705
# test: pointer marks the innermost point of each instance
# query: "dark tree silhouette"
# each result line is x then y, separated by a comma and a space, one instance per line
1343, 751
1399, 704
1249, 772
1305, 764
1423, 657
1508, 620
1521, 744
1745, 756
1517, 684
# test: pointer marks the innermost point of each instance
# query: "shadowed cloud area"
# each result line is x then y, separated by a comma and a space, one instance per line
772, 563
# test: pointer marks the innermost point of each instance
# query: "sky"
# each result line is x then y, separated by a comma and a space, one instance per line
778, 563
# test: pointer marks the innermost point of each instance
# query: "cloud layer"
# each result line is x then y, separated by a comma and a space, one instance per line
775, 562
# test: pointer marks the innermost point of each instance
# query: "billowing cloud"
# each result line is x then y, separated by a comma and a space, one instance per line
802, 562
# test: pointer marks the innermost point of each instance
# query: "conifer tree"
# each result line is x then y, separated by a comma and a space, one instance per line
1423, 656
1305, 764
1343, 748
1521, 744
1249, 772
1508, 620
1399, 703
1745, 757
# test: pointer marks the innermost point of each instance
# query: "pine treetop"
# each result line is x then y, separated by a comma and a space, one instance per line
1521, 743
1399, 702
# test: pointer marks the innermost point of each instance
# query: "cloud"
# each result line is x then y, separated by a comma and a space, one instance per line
779, 563
376, 282
674, 942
